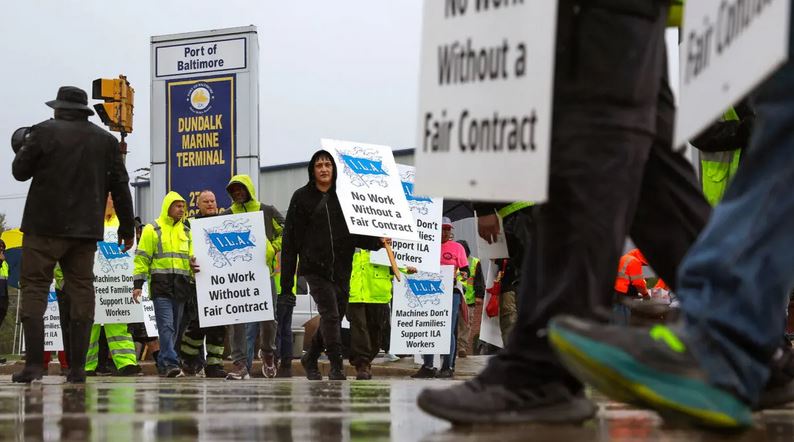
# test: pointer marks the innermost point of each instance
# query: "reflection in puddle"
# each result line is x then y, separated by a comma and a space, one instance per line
148, 409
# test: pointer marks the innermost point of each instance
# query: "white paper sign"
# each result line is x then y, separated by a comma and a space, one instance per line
424, 255
422, 313
728, 48
113, 283
485, 99
495, 250
149, 319
369, 190
53, 335
490, 330
233, 284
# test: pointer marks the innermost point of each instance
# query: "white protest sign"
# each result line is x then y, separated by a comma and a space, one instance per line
490, 330
423, 255
728, 48
369, 190
421, 319
53, 335
233, 284
113, 283
485, 97
149, 319
494, 250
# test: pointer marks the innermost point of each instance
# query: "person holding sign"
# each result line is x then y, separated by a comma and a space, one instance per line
243, 194
453, 254
368, 310
119, 339
734, 283
517, 220
192, 344
164, 258
316, 234
473, 293
612, 173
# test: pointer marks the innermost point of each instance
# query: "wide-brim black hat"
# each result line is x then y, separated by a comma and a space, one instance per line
70, 97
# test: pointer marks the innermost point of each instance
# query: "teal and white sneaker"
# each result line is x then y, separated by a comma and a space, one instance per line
646, 367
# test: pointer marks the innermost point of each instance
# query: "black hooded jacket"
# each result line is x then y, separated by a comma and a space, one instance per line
315, 231
74, 164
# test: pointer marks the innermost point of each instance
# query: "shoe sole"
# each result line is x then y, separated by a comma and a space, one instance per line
673, 396
269, 373
242, 378
574, 411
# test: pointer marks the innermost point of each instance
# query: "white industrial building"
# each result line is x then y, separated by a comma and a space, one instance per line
276, 185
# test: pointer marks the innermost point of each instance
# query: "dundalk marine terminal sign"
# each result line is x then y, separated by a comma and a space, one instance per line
205, 113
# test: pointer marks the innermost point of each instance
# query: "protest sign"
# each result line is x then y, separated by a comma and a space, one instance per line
424, 255
53, 335
728, 48
113, 283
149, 319
422, 313
485, 96
370, 192
233, 283
490, 330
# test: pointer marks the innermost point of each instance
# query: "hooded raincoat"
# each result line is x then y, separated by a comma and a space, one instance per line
316, 233
163, 255
274, 221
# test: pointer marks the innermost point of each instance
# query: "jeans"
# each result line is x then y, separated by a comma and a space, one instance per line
284, 335
735, 282
266, 331
448, 361
167, 314
621, 313
238, 339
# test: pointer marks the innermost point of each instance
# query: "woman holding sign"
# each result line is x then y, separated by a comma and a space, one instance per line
316, 234
452, 253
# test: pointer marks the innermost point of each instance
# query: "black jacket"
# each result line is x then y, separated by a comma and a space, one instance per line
315, 233
74, 164
723, 136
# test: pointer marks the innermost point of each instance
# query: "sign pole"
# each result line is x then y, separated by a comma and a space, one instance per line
393, 261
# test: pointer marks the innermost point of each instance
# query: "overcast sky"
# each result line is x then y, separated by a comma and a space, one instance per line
345, 69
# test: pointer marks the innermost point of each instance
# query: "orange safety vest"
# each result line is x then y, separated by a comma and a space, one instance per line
625, 274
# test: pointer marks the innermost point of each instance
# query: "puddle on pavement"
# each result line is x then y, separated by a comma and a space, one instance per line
148, 409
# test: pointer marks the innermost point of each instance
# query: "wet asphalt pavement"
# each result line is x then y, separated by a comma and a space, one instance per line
150, 408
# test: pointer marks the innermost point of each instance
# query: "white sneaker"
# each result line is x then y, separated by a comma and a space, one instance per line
390, 357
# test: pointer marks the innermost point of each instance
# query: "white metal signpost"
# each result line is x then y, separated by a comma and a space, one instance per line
728, 48
485, 99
